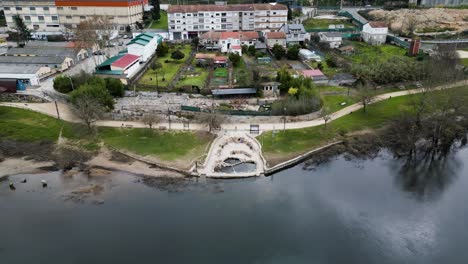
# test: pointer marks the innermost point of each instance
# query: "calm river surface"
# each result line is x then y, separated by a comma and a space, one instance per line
341, 212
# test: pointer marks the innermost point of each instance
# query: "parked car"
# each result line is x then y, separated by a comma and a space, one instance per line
99, 52
125, 36
121, 43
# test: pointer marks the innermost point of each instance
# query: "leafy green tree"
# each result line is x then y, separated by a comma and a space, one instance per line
235, 59
251, 50
97, 92
290, 14
177, 55
278, 51
245, 49
293, 52
63, 84
162, 49
115, 87
23, 32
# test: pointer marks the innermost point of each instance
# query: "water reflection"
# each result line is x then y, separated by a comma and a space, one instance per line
427, 177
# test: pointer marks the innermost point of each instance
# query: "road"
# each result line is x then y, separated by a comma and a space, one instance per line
67, 114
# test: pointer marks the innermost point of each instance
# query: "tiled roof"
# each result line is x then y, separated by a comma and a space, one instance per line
276, 35
110, 61
378, 24
237, 47
125, 61
248, 35
214, 8
211, 35
312, 73
220, 58
230, 34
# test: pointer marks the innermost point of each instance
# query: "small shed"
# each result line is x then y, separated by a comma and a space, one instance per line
220, 61
270, 88
316, 75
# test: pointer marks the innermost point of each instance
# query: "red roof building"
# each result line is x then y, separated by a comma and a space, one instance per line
126, 61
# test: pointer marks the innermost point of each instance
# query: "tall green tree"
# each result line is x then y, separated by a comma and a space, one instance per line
156, 13
278, 51
23, 32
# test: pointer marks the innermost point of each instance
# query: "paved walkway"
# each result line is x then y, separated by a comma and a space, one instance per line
66, 114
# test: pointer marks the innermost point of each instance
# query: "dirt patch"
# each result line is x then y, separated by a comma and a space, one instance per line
402, 20
119, 157
82, 194
166, 184
98, 172
39, 151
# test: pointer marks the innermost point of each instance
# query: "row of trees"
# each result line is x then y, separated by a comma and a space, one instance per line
67, 84
292, 53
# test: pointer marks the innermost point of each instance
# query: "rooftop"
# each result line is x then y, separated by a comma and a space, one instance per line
236, 7
276, 35
234, 91
288, 27
312, 73
18, 68
31, 60
378, 24
125, 61
44, 51
331, 34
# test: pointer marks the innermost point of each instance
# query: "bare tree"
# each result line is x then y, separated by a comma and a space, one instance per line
212, 120
93, 33
150, 119
88, 110
365, 94
325, 114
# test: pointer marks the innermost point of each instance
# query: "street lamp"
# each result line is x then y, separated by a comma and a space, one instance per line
284, 119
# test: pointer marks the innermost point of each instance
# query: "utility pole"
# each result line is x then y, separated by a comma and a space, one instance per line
169, 117
56, 108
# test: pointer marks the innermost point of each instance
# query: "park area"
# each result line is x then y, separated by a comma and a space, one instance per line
314, 23
161, 23
170, 67
365, 53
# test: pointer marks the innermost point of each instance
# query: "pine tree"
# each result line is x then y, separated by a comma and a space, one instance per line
156, 9
23, 33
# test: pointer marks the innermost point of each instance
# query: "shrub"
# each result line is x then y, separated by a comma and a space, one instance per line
63, 84
177, 55
235, 59
98, 92
115, 87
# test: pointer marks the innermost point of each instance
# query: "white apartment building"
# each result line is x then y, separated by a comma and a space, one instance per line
295, 33
187, 21
39, 15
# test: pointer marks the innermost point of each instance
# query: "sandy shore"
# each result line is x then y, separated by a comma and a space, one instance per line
104, 160
13, 166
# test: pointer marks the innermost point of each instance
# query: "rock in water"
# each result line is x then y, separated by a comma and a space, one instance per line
44, 183
12, 186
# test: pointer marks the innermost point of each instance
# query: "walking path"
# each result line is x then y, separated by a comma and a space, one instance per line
67, 115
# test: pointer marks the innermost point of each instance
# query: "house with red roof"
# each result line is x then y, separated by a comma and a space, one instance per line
316, 75
375, 32
229, 41
122, 66
273, 38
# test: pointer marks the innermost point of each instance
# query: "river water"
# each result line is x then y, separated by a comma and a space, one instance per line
341, 212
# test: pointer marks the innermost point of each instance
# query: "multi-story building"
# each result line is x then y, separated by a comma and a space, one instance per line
228, 41
375, 32
120, 13
295, 33
187, 21
38, 15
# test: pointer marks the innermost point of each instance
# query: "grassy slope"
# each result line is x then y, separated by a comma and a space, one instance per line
170, 69
161, 23
167, 146
287, 144
24, 125
196, 80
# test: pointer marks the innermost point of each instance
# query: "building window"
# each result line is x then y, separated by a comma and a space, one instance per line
41, 18
45, 8
223, 14
82, 17
60, 8
32, 8
74, 8
27, 18
6, 8
54, 18
223, 20
19, 8
68, 17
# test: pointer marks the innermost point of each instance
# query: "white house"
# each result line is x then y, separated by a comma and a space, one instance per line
273, 38
295, 33
228, 42
333, 39
375, 32
144, 45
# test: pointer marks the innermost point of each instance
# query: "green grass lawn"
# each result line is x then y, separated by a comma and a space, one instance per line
333, 102
167, 146
283, 145
196, 80
170, 68
161, 23
312, 23
24, 125
464, 61
366, 53
242, 74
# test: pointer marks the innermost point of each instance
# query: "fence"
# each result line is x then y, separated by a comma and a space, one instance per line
226, 112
